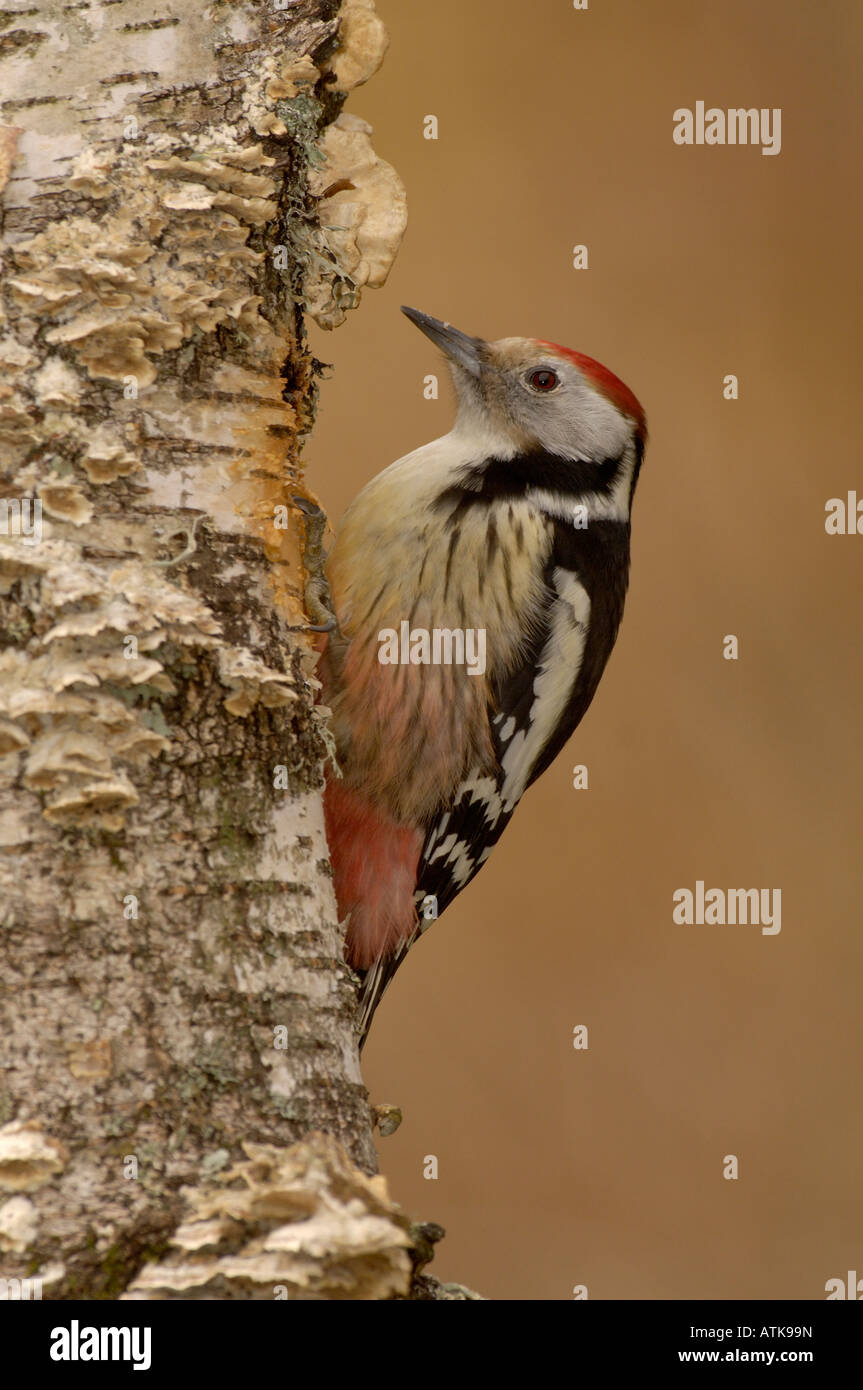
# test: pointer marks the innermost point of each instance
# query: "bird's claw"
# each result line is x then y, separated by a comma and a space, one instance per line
317, 596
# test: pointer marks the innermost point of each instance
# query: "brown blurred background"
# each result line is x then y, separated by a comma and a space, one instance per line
604, 1167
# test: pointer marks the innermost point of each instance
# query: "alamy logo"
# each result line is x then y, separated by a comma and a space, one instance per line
717, 907
844, 518
76, 1343
442, 646
841, 1288
19, 1290
737, 126
21, 516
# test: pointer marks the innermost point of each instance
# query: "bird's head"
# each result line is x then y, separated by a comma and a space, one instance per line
527, 395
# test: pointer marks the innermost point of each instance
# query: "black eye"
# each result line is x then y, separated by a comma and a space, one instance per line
543, 380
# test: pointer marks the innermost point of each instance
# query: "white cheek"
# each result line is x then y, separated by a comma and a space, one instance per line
588, 428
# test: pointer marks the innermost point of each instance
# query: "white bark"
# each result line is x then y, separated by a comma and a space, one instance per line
178, 184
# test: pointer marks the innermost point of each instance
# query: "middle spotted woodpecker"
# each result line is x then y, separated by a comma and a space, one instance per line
478, 585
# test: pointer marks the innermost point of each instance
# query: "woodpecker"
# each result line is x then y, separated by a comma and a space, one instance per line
514, 525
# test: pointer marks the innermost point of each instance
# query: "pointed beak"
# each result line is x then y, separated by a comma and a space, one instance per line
457, 346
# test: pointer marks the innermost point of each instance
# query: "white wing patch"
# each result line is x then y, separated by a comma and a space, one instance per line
553, 683
483, 803
450, 851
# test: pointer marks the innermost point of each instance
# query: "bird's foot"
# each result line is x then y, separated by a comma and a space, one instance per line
317, 596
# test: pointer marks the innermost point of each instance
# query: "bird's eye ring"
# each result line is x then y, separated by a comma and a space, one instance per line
543, 379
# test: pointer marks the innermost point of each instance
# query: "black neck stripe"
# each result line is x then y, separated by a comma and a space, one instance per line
499, 480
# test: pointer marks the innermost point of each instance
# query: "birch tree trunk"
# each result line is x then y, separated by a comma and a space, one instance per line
179, 187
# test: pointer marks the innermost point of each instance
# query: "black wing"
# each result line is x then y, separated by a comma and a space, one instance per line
536, 709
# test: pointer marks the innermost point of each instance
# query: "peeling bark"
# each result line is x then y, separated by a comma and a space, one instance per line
178, 187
